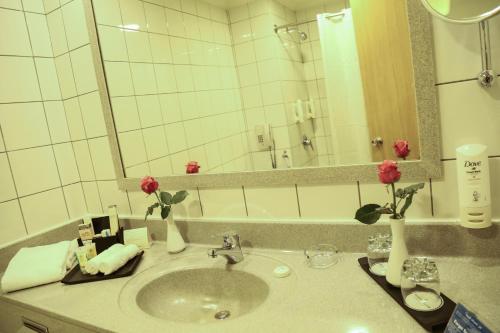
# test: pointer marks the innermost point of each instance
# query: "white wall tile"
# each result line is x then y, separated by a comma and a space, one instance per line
7, 190
24, 125
83, 69
132, 148
74, 119
125, 114
143, 76
133, 14
44, 210
15, 40
456, 50
160, 48
93, 118
57, 32
12, 4
137, 46
119, 79
223, 202
50, 5
149, 110
56, 119
2, 145
239, 13
155, 142
445, 192
47, 78
102, 158
108, 12
27, 181
111, 195
83, 160
275, 202
39, 35
328, 201
65, 75
155, 18
75, 200
92, 198
140, 201
469, 114
74, 24
112, 42
66, 163
175, 24
35, 6
22, 85
11, 223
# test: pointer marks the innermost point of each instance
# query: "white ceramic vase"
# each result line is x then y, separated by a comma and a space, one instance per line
175, 242
399, 252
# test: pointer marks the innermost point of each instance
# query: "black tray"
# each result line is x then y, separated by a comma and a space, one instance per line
432, 321
75, 276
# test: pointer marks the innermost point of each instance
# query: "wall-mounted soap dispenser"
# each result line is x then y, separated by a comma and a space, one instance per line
474, 186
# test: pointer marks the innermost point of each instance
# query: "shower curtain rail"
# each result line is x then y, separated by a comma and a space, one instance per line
286, 26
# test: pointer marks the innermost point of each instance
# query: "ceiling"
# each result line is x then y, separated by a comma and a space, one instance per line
292, 4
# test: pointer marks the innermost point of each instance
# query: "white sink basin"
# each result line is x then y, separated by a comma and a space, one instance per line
198, 290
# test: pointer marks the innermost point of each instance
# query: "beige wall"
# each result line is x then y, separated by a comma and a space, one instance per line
40, 189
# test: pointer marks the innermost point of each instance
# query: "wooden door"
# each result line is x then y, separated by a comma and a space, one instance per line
384, 50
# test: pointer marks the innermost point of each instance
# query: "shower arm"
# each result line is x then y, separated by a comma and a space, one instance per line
286, 26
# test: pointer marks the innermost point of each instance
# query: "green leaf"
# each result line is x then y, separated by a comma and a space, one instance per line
150, 210
179, 197
407, 204
166, 198
165, 210
369, 214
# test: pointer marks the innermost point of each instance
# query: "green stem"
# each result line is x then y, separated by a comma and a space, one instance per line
159, 201
394, 200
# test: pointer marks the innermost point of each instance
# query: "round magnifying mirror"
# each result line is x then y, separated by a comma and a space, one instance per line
463, 11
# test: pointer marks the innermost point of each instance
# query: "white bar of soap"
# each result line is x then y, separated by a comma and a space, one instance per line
281, 271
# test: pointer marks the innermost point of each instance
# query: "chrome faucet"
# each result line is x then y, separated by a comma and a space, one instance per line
231, 249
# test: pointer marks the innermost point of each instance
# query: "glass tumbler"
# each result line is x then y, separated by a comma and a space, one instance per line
321, 256
420, 284
379, 248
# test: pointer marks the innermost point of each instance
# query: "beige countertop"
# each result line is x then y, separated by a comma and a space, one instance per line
338, 299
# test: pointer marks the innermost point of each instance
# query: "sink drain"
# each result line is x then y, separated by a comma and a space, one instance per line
221, 315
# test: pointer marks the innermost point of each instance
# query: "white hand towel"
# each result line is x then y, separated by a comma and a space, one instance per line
116, 260
93, 265
71, 258
35, 266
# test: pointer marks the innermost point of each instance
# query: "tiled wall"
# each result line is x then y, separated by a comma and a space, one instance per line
271, 76
40, 182
54, 154
174, 88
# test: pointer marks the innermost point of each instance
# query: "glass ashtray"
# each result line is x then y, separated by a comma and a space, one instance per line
321, 256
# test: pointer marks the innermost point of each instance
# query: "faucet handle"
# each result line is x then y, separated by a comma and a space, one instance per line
231, 238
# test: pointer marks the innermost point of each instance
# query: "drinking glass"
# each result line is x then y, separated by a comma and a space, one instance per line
379, 248
420, 284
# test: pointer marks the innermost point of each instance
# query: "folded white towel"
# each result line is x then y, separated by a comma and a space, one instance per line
71, 257
35, 266
112, 259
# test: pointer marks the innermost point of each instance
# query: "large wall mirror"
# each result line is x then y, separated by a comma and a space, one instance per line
265, 92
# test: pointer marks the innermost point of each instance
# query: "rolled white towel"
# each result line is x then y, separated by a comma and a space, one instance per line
93, 265
117, 259
35, 266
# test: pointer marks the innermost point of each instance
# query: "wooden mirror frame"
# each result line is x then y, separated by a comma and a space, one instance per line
429, 165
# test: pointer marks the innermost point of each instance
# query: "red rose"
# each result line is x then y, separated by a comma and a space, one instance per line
401, 148
149, 184
388, 172
192, 167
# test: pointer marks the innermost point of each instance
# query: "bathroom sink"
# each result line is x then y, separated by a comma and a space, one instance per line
195, 289
202, 295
